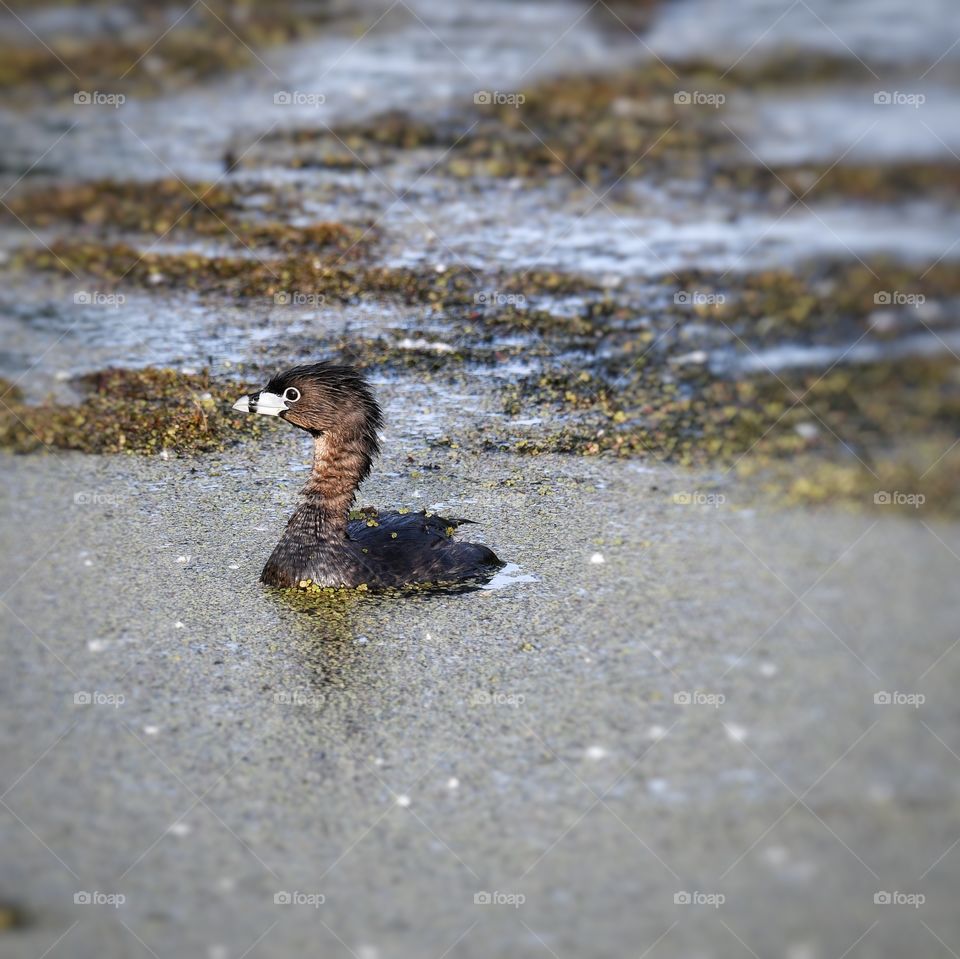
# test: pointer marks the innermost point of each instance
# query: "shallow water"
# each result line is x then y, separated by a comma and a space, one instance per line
415, 55
426, 55
400, 758
787, 357
875, 33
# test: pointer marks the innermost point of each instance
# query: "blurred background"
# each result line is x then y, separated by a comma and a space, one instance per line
665, 296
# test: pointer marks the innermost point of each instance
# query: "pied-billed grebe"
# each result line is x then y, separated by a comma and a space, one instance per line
335, 405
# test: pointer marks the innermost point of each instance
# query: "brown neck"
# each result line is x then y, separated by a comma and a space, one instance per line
338, 465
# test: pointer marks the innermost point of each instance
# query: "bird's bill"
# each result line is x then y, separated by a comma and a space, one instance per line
267, 404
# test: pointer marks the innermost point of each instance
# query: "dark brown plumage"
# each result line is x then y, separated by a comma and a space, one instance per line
321, 544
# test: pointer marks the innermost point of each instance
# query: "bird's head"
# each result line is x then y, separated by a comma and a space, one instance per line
322, 399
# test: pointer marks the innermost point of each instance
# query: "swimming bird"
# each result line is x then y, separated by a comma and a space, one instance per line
321, 544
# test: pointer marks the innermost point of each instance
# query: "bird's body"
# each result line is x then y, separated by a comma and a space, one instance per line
321, 544
383, 550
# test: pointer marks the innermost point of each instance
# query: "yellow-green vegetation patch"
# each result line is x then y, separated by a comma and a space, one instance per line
857, 182
171, 208
309, 586
651, 120
870, 426
352, 145
820, 301
651, 117
330, 597
10, 392
130, 411
245, 277
153, 206
594, 127
922, 477
787, 68
595, 319
239, 276
165, 46
864, 424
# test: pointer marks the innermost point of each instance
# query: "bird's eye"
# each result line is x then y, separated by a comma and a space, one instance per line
291, 394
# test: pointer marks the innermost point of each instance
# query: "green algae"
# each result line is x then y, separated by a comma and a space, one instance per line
637, 402
858, 424
149, 207
331, 277
145, 411
231, 275
905, 483
176, 209
790, 68
356, 145
637, 122
640, 121
10, 392
853, 182
594, 127
163, 48
820, 301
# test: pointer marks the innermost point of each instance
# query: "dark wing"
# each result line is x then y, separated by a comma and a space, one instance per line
419, 548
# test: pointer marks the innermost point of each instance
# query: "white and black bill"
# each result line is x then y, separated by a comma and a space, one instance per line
267, 404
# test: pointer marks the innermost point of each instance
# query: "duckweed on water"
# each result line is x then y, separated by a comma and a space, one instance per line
130, 411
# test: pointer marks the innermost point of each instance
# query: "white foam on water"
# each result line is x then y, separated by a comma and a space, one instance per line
510, 575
